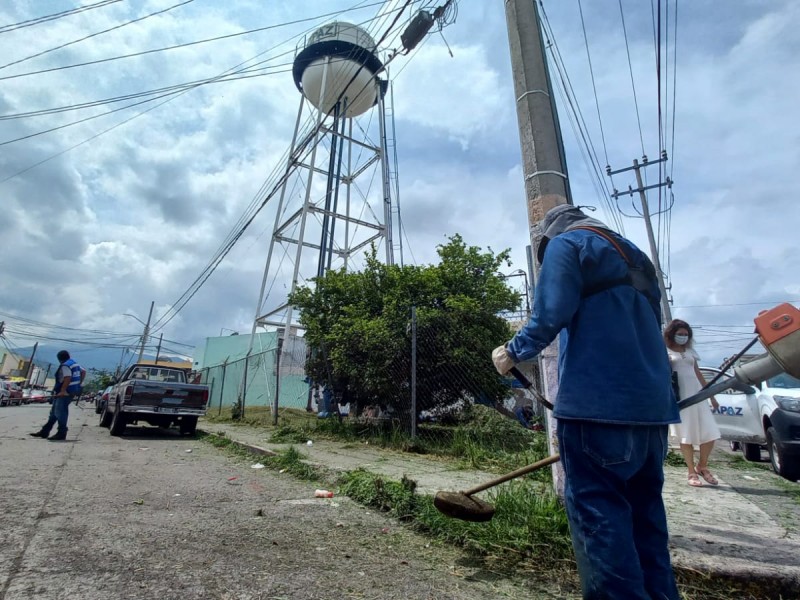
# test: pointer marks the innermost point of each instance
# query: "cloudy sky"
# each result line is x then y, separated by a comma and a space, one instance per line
104, 216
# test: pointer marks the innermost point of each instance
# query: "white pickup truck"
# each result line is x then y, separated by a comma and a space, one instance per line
766, 415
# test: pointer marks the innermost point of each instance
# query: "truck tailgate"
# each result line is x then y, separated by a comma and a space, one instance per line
165, 395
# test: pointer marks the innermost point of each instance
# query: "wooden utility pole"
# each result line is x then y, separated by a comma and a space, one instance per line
29, 370
158, 350
146, 331
544, 166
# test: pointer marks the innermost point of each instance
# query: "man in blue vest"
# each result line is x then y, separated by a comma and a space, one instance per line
69, 378
598, 292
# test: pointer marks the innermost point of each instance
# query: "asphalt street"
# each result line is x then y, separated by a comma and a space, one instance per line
155, 515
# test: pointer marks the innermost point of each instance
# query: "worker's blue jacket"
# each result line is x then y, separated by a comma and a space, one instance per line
74, 387
613, 365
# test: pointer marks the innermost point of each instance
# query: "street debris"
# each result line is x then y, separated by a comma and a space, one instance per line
257, 466
189, 451
309, 443
323, 494
139, 501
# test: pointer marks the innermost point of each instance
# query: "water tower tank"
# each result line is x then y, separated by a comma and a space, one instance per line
353, 64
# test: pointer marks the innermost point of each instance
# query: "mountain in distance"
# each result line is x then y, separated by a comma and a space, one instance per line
102, 359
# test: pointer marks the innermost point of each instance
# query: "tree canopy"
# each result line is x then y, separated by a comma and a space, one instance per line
359, 327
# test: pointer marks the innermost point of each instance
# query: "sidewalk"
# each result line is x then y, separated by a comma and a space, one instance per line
713, 530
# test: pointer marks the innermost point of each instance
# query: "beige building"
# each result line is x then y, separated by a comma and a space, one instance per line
12, 365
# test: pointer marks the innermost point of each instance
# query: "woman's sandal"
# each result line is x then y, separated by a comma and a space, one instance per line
694, 480
706, 474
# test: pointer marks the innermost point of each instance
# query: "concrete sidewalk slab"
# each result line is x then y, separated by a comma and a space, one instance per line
713, 529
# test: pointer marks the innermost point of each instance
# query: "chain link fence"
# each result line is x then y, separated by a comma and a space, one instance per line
432, 384
267, 380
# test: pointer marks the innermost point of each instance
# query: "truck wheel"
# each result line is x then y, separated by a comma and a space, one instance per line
752, 452
784, 466
105, 417
118, 421
188, 425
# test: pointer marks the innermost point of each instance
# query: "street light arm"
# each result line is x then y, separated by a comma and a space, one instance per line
134, 317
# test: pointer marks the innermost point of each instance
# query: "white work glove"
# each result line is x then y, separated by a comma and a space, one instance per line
501, 359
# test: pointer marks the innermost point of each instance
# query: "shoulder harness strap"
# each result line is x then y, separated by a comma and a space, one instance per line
637, 277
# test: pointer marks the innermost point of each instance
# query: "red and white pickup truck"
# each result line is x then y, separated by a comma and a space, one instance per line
156, 395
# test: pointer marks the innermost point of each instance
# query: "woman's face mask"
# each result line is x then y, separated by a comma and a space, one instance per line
681, 339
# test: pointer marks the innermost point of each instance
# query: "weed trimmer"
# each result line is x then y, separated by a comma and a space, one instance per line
462, 505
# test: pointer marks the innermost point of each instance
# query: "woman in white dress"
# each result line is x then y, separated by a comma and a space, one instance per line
697, 426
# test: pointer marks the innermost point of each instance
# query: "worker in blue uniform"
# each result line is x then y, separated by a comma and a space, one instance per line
598, 292
69, 379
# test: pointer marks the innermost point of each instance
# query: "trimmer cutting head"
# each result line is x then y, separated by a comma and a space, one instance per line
460, 506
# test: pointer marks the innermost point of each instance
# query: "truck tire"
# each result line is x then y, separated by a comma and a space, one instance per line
105, 416
752, 452
188, 425
788, 468
118, 421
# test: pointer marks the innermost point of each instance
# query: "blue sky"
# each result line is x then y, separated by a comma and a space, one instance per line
133, 215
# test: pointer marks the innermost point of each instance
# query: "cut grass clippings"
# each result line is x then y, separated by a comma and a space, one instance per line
528, 535
529, 525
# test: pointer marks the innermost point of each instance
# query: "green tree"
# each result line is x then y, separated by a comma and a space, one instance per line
97, 380
358, 325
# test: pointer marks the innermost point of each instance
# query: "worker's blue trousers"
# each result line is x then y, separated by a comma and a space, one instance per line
59, 413
614, 477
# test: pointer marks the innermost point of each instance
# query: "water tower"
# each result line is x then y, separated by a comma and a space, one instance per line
339, 191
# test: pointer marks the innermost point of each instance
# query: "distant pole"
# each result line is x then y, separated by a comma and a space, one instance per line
158, 350
413, 372
666, 309
30, 366
544, 166
146, 332
276, 401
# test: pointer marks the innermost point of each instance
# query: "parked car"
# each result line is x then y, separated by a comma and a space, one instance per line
767, 415
102, 399
158, 396
5, 394
11, 393
16, 393
37, 396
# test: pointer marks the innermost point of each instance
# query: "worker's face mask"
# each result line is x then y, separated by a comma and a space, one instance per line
681, 339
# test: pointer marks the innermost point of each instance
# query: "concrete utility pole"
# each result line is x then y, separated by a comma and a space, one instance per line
146, 332
666, 310
544, 166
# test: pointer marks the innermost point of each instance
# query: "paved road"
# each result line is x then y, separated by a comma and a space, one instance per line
154, 515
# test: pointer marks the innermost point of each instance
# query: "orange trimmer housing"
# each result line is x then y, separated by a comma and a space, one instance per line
779, 332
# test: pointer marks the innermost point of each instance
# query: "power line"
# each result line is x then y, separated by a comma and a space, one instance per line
103, 132
579, 126
186, 44
159, 12
594, 87
54, 16
248, 73
633, 83
774, 303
